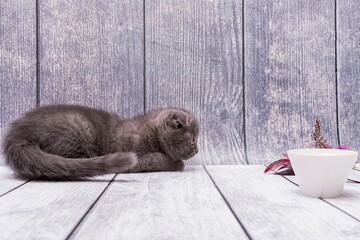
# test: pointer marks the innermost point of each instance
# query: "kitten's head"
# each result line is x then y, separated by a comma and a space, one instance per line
178, 132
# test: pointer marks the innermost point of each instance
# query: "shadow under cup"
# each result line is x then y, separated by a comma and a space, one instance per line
322, 173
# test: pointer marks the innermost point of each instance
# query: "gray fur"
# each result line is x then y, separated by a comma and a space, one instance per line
73, 142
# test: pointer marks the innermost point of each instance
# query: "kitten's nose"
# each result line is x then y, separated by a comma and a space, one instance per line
196, 149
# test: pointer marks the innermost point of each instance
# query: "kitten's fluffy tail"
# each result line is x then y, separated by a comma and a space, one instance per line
31, 162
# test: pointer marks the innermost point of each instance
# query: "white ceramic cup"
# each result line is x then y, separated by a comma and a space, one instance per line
322, 173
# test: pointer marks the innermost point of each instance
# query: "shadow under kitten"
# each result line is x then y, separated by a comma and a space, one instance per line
69, 142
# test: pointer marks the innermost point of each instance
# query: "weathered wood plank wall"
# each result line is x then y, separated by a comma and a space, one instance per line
348, 55
91, 52
17, 59
255, 73
194, 60
289, 74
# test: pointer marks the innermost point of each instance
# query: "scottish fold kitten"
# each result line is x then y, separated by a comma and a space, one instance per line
73, 142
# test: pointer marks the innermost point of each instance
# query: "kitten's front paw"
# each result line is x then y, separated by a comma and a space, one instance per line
123, 161
133, 159
179, 165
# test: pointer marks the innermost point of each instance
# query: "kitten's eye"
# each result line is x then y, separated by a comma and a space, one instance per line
177, 125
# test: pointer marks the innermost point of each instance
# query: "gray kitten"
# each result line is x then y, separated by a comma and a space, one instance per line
73, 142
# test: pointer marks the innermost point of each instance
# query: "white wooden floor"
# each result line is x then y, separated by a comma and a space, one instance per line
212, 202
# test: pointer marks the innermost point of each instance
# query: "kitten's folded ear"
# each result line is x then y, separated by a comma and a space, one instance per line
176, 121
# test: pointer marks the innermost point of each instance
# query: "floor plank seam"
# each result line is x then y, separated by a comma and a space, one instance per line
324, 200
284, 177
290, 180
228, 204
89, 210
11, 190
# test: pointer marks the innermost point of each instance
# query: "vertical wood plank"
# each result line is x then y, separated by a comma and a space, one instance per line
349, 200
194, 61
163, 205
348, 50
17, 59
91, 53
48, 210
9, 180
289, 75
270, 207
